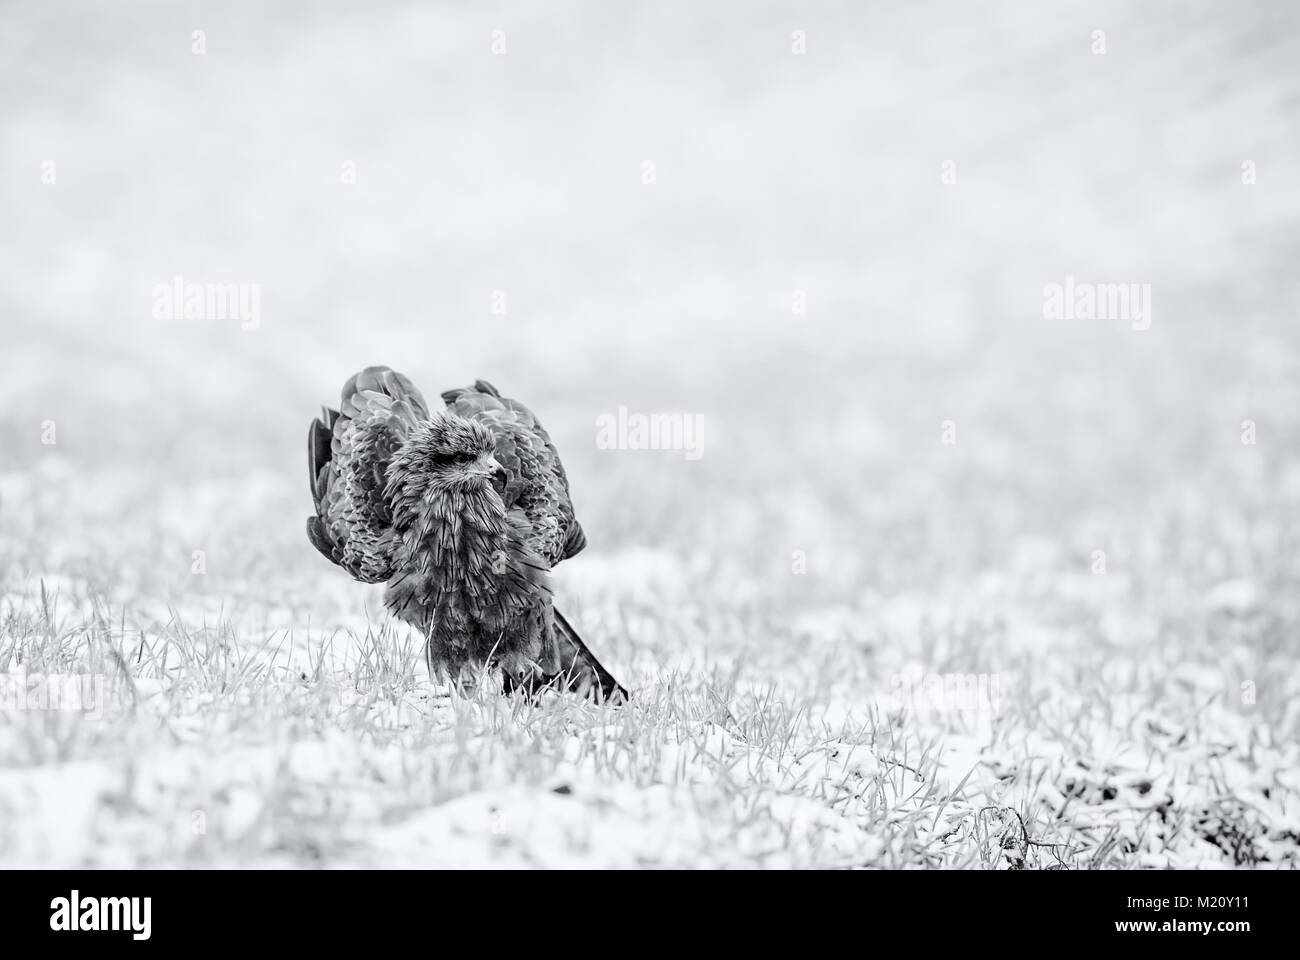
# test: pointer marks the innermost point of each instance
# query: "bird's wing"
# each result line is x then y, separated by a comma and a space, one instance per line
348, 455
537, 488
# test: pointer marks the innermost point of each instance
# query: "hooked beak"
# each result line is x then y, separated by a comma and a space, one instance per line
493, 469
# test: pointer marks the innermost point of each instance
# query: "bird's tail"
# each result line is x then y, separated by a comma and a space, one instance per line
580, 666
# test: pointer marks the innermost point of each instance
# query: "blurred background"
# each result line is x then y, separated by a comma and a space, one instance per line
500, 152
823, 228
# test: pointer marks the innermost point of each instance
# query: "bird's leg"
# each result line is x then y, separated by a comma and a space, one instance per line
466, 684
533, 684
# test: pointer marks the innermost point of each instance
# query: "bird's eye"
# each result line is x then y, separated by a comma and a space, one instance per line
464, 457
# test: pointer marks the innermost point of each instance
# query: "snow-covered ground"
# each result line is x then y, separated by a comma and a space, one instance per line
1067, 639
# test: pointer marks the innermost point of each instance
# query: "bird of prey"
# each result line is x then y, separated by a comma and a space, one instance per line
462, 512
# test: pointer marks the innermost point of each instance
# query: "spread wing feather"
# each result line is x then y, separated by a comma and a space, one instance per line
349, 451
537, 489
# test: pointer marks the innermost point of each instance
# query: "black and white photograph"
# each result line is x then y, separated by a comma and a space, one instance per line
815, 436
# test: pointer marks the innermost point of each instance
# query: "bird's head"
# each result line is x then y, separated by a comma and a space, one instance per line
448, 452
